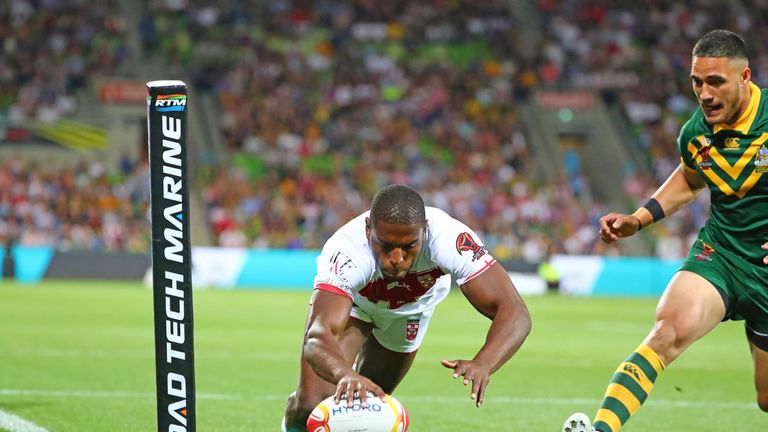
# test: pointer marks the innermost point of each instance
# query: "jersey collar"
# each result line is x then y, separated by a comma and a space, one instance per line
745, 121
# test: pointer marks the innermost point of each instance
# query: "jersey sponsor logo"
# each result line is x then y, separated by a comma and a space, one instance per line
706, 252
404, 291
426, 280
731, 144
465, 243
411, 329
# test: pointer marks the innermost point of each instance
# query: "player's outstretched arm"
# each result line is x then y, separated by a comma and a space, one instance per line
327, 320
680, 188
493, 294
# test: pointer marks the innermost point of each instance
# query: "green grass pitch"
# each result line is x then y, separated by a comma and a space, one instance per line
79, 356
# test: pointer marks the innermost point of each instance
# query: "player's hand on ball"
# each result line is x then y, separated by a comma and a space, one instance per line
473, 372
354, 383
614, 226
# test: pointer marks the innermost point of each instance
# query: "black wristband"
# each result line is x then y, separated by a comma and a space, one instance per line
654, 208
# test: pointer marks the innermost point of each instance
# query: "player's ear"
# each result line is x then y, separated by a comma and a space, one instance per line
746, 75
368, 228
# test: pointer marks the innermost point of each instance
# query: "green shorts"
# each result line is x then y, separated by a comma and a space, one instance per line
742, 284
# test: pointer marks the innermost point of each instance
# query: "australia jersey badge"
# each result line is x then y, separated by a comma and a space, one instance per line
761, 159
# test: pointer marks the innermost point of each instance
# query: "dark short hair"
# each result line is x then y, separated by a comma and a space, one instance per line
398, 204
720, 43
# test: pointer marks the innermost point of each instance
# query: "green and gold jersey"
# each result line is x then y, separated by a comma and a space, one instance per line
733, 160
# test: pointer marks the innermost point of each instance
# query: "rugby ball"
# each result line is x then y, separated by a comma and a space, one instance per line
378, 416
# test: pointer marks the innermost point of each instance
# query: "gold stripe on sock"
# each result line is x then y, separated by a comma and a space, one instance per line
622, 398
644, 382
652, 357
608, 417
625, 396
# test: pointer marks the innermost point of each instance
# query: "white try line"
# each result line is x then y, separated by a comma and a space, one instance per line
662, 403
14, 423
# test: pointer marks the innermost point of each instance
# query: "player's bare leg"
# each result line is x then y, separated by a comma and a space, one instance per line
313, 389
690, 308
383, 366
760, 360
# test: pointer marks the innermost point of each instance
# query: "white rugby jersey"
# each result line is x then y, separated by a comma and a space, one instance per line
347, 266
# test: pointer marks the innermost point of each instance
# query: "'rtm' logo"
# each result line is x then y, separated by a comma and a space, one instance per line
171, 102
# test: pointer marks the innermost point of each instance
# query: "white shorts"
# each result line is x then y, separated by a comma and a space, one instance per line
398, 333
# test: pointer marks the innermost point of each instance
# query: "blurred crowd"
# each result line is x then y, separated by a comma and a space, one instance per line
86, 207
48, 51
638, 55
323, 102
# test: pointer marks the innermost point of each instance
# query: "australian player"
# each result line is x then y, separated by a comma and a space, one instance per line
723, 147
379, 278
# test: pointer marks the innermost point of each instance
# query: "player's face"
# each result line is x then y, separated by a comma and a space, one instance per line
395, 246
722, 87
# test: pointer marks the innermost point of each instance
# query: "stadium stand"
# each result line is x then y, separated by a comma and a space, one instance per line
80, 208
610, 48
40, 75
321, 103
52, 50
321, 106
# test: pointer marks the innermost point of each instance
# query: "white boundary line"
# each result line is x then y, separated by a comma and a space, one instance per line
14, 423
662, 403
